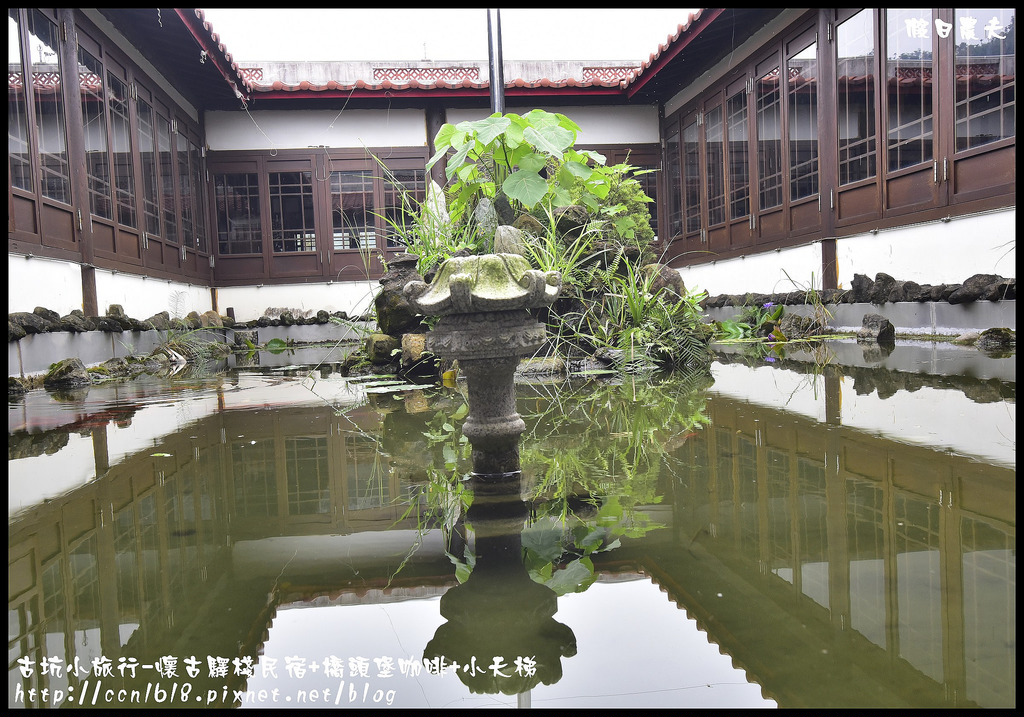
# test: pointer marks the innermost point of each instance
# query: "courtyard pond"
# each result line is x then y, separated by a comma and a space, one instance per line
771, 532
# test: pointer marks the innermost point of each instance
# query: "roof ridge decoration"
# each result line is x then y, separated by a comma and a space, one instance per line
623, 78
610, 73
426, 74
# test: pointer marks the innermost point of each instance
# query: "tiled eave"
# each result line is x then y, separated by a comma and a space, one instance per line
202, 31
419, 94
673, 46
622, 82
435, 88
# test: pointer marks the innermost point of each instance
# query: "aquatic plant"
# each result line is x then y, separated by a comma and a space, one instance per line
586, 221
506, 157
595, 456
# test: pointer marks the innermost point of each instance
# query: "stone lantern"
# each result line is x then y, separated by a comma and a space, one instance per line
485, 324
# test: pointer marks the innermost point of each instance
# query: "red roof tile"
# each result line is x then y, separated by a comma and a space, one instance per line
598, 80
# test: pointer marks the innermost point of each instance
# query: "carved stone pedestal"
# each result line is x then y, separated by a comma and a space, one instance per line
485, 325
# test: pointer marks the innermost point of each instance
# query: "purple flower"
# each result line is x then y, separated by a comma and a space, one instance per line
769, 359
769, 305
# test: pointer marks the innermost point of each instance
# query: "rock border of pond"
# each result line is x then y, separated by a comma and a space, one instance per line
874, 293
42, 320
883, 289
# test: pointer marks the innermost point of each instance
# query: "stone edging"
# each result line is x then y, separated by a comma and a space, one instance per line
881, 290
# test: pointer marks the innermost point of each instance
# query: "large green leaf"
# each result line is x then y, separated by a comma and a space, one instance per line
545, 540
598, 187
487, 130
468, 173
532, 162
437, 156
596, 156
460, 156
443, 138
578, 169
553, 140
541, 118
574, 577
527, 188
514, 133
560, 197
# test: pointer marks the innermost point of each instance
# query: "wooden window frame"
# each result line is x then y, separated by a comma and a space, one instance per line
69, 230
956, 181
324, 262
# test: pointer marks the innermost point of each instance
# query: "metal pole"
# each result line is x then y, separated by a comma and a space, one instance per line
497, 77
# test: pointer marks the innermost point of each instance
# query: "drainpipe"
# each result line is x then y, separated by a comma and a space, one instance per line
497, 79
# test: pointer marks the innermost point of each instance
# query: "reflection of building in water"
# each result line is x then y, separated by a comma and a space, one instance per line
128, 563
846, 543
836, 567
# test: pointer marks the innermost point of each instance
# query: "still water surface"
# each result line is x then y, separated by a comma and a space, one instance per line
757, 536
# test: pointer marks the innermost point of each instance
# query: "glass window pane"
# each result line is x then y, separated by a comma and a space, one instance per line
352, 210
649, 185
90, 76
674, 170
802, 71
254, 474
309, 480
739, 150
120, 133
49, 107
198, 196
238, 213
403, 193
714, 150
185, 186
167, 203
366, 474
909, 79
855, 92
291, 211
150, 182
769, 140
17, 109
985, 76
691, 177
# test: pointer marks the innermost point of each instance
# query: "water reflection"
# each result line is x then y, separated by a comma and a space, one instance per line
255, 517
499, 611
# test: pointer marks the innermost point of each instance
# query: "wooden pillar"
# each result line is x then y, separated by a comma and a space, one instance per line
829, 266
75, 127
90, 300
435, 118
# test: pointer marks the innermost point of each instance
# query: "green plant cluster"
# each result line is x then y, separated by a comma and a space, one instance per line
527, 165
592, 459
527, 159
602, 446
754, 322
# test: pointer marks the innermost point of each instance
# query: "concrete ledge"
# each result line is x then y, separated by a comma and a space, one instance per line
934, 358
910, 318
33, 354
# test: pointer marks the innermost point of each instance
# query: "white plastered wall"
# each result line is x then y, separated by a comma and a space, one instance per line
38, 281
141, 297
284, 129
767, 273
598, 125
57, 285
938, 252
250, 302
